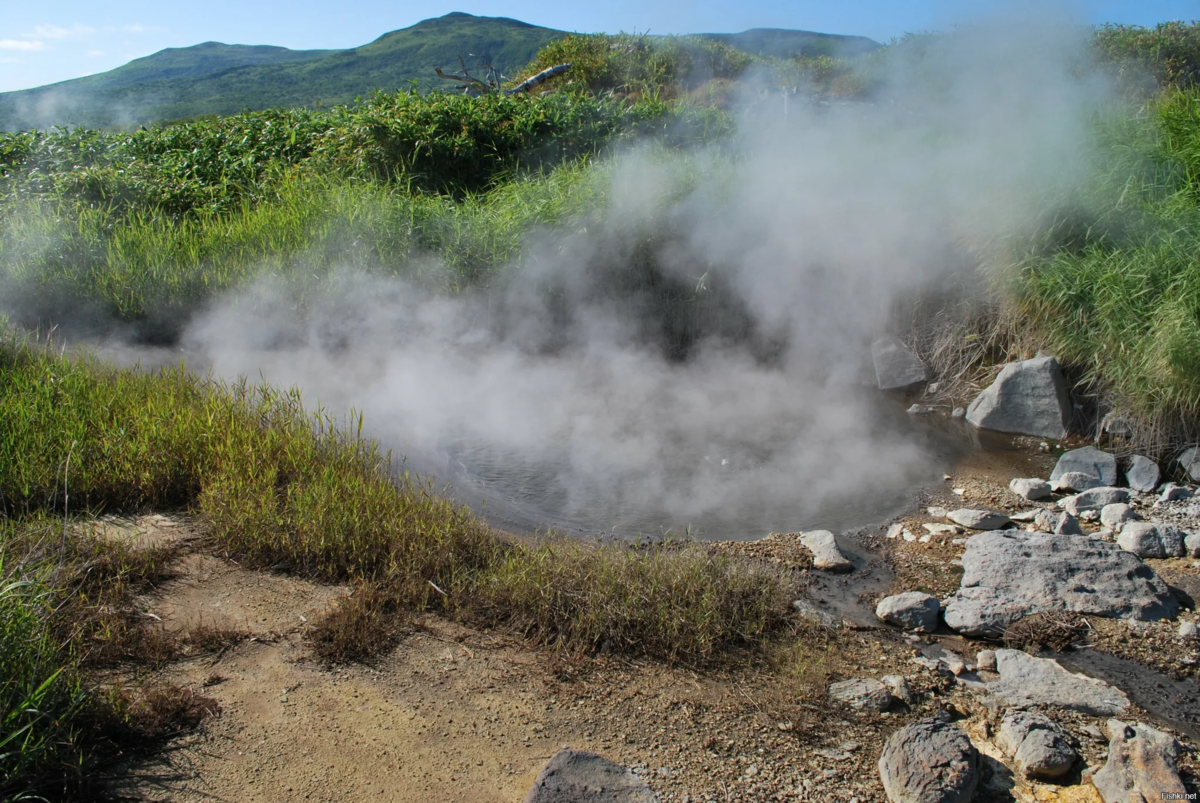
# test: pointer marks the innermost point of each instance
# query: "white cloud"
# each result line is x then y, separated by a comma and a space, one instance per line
26, 45
59, 32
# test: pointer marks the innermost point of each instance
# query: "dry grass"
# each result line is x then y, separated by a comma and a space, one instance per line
361, 627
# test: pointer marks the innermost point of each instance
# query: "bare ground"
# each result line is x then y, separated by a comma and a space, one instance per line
456, 714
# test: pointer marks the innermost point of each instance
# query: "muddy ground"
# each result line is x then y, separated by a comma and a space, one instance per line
455, 714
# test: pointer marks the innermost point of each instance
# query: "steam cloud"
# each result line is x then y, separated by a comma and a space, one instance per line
558, 396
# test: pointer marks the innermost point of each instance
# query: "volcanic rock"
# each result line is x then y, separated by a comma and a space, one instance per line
826, 555
1142, 474
1093, 499
1027, 398
864, 694
1039, 746
1190, 460
1148, 540
1030, 488
1088, 460
577, 776
1114, 515
978, 519
1012, 574
1075, 481
1028, 681
1066, 524
929, 761
896, 367
911, 610
1142, 765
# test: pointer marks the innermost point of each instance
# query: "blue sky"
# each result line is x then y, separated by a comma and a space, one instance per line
44, 42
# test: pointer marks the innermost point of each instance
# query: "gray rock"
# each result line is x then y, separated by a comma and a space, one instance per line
1142, 765
1066, 524
1114, 515
919, 409
896, 367
1148, 540
1027, 398
1088, 460
941, 529
1191, 545
1026, 681
929, 761
864, 694
826, 555
1188, 630
1011, 574
978, 519
898, 684
1074, 482
576, 776
911, 610
1030, 488
1190, 460
958, 413
1044, 521
1174, 493
816, 615
985, 660
1094, 499
1040, 747
1142, 474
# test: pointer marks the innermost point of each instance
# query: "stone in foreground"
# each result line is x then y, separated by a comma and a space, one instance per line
1027, 681
1027, 398
978, 519
896, 367
1142, 474
863, 694
1038, 746
911, 610
826, 555
929, 761
577, 776
1012, 574
1142, 765
1088, 460
1148, 540
1030, 488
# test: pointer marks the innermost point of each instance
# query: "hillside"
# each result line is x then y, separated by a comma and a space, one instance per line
781, 43
215, 78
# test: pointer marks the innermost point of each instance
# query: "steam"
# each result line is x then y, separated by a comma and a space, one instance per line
570, 395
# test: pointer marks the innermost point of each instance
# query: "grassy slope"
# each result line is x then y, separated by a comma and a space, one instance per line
787, 44
201, 80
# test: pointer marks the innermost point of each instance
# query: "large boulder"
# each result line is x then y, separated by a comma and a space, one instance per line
896, 368
1027, 398
1011, 574
577, 776
912, 610
929, 761
1039, 747
826, 555
1149, 540
1030, 488
1142, 765
1142, 474
1088, 460
1026, 681
1094, 499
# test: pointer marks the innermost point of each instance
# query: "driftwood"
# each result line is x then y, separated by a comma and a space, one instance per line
470, 82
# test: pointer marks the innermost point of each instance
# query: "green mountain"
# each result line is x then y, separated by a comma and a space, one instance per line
214, 78
781, 43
